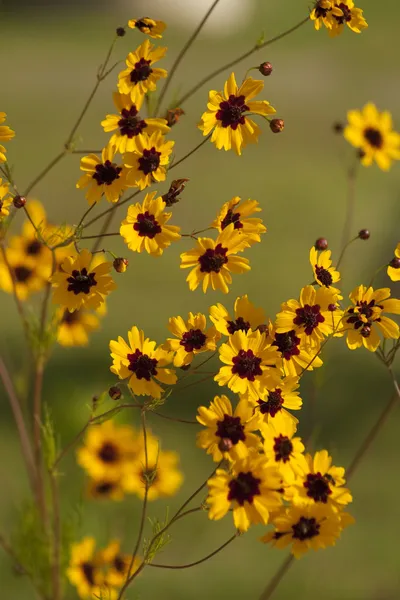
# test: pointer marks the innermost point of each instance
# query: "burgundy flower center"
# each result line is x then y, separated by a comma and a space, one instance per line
246, 365
22, 274
231, 111
130, 123
70, 317
213, 259
106, 173
243, 488
146, 225
88, 572
142, 71
373, 137
108, 453
194, 339
283, 448
274, 403
317, 487
309, 317
104, 488
367, 310
305, 529
287, 343
231, 217
119, 564
141, 24
150, 161
323, 276
238, 325
33, 248
231, 428
81, 282
346, 13
320, 12
142, 365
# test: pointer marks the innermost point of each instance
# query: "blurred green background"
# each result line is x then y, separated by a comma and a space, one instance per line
49, 59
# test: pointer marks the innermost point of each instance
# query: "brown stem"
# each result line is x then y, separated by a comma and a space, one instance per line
99, 235
275, 581
56, 525
197, 562
173, 418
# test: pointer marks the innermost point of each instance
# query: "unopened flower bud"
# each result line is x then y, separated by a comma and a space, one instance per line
19, 201
364, 234
338, 127
263, 328
321, 244
173, 115
366, 331
225, 445
115, 393
120, 31
332, 307
95, 400
120, 265
395, 263
265, 69
176, 188
277, 125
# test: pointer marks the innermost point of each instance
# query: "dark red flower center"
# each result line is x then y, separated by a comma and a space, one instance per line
106, 173
22, 274
309, 317
108, 452
287, 343
146, 225
104, 487
373, 137
243, 488
346, 13
142, 71
150, 161
323, 276
70, 317
194, 339
81, 282
130, 123
33, 248
119, 564
231, 111
88, 571
317, 487
283, 448
305, 529
246, 365
367, 310
231, 428
273, 404
142, 24
238, 325
320, 12
213, 259
142, 365
231, 217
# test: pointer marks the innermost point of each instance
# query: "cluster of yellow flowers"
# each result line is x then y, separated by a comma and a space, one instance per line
334, 15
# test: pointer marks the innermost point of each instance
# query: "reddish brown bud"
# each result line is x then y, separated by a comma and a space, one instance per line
19, 201
366, 331
277, 125
332, 307
120, 265
120, 31
173, 115
364, 234
176, 188
263, 328
338, 127
265, 69
225, 445
115, 393
395, 263
321, 244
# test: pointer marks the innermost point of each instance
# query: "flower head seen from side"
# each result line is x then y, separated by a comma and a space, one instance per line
141, 76
192, 337
6, 134
393, 269
85, 569
5, 199
346, 13
294, 355
128, 124
102, 176
117, 564
75, 327
307, 528
148, 163
79, 284
245, 316
212, 262
150, 27
281, 447
229, 433
282, 396
145, 226
250, 489
321, 14
142, 364
372, 132
364, 321
249, 364
237, 212
227, 114
325, 275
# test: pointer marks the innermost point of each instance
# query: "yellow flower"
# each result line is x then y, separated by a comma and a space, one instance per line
246, 316
281, 448
150, 27
320, 482
118, 565
162, 474
239, 215
107, 448
129, 124
140, 77
105, 489
6, 134
295, 356
250, 364
307, 528
102, 176
284, 395
5, 199
213, 261
84, 571
145, 229
28, 276
322, 14
344, 12
80, 284
325, 275
193, 338
148, 163
250, 489
365, 320
393, 269
229, 433
227, 114
372, 132
312, 317
142, 363
74, 327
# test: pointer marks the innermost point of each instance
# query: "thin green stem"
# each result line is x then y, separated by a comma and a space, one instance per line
197, 562
277, 578
45, 171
